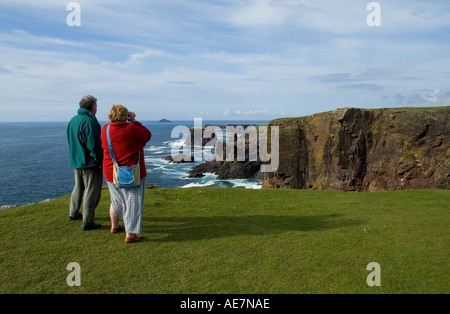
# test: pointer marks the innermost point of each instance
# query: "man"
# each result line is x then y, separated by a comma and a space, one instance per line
86, 155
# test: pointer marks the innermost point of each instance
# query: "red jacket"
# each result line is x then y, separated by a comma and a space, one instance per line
127, 140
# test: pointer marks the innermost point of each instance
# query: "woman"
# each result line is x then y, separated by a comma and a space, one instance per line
128, 138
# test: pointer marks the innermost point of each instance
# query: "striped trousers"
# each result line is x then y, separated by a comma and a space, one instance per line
129, 205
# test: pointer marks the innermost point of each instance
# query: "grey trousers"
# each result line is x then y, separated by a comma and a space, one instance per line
88, 184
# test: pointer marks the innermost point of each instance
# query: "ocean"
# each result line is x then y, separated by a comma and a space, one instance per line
35, 163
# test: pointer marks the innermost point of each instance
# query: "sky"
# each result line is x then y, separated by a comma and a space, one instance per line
221, 60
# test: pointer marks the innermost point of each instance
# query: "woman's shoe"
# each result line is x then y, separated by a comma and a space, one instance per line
133, 239
117, 230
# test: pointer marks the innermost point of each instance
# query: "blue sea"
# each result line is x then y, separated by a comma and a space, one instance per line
35, 163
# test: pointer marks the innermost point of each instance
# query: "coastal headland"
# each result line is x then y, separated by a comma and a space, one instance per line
347, 149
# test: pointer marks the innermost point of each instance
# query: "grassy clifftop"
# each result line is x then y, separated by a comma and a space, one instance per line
220, 240
379, 110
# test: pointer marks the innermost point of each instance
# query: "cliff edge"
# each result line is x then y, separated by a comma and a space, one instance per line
364, 150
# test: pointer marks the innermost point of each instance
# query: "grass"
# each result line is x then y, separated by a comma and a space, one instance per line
394, 109
221, 240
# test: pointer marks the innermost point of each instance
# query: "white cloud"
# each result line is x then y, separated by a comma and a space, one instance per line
422, 98
259, 13
341, 17
137, 58
20, 37
244, 59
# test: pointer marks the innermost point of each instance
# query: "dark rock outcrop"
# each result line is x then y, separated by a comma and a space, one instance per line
180, 159
230, 169
227, 166
364, 150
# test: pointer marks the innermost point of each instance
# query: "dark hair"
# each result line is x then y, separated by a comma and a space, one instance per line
88, 102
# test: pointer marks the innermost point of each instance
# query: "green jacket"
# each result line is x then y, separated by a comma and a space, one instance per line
85, 146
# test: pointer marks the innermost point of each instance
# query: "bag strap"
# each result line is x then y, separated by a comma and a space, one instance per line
111, 152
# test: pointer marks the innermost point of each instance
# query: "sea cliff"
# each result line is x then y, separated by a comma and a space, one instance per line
364, 150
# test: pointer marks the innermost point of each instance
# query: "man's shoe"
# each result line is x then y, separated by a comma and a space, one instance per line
78, 216
91, 226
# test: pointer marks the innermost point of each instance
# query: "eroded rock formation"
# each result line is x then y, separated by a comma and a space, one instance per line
364, 150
